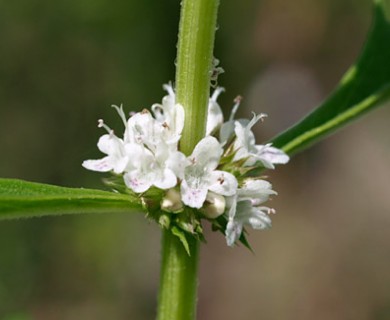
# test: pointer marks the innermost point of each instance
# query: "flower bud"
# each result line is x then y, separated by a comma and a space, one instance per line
214, 206
164, 220
172, 201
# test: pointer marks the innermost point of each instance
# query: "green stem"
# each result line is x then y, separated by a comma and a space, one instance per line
194, 67
178, 282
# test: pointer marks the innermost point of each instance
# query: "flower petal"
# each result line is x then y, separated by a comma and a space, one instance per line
233, 232
226, 132
270, 155
119, 164
139, 156
179, 119
252, 216
110, 144
192, 197
142, 128
214, 116
206, 154
245, 137
223, 183
177, 162
257, 191
137, 181
258, 219
166, 180
101, 165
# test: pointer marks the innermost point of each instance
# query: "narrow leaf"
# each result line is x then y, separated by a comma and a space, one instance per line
182, 237
20, 198
365, 86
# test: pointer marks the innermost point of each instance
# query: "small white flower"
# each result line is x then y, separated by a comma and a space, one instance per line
148, 156
170, 115
144, 170
245, 146
143, 129
269, 155
215, 115
245, 209
227, 129
255, 190
200, 175
116, 159
246, 215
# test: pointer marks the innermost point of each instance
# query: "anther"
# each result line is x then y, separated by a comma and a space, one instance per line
101, 124
238, 99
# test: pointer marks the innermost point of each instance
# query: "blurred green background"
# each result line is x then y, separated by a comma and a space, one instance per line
64, 62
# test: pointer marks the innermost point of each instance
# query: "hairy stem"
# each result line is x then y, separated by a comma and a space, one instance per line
179, 279
178, 282
194, 67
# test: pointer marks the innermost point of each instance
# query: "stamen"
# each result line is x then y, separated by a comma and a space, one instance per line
121, 113
237, 101
216, 93
221, 179
101, 124
262, 116
271, 211
255, 118
169, 88
165, 125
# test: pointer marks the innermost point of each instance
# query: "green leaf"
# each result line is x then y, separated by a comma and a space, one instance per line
366, 85
182, 237
20, 198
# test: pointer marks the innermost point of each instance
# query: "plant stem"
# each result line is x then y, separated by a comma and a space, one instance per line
178, 282
194, 67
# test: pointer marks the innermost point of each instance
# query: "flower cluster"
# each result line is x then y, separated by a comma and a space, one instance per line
218, 181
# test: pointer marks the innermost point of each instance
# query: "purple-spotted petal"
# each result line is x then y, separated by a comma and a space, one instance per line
192, 197
137, 182
100, 165
223, 183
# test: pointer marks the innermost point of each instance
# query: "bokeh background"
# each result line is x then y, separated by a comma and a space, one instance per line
64, 62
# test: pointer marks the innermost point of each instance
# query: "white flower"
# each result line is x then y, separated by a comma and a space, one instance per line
245, 146
170, 115
147, 156
200, 175
255, 190
143, 129
269, 155
116, 159
215, 115
246, 214
245, 209
146, 169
